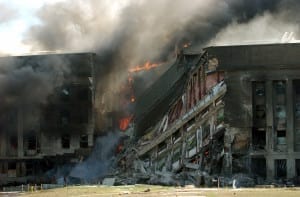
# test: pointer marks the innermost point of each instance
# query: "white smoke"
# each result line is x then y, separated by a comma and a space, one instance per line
266, 28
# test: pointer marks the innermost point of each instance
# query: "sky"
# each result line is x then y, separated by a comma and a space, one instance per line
16, 17
12, 27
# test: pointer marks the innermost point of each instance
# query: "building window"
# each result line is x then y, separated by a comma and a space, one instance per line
31, 141
3, 167
258, 139
65, 141
259, 104
281, 137
279, 108
280, 168
83, 94
84, 141
297, 164
65, 117
258, 167
29, 168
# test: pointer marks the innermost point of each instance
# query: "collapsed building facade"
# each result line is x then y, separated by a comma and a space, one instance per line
36, 137
228, 111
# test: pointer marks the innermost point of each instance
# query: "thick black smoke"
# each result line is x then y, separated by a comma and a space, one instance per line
26, 82
144, 30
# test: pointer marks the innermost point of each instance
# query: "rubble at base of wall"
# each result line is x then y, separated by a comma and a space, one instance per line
140, 174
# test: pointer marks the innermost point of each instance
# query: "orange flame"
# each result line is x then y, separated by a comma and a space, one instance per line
124, 123
186, 45
147, 66
132, 99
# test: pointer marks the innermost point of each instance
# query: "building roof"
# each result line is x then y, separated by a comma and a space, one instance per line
259, 56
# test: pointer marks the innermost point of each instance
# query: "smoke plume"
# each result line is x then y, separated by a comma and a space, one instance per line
100, 160
128, 33
25, 83
268, 27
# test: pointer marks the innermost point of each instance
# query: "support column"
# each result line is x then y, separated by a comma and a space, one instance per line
290, 167
290, 117
3, 143
269, 117
290, 129
270, 168
20, 133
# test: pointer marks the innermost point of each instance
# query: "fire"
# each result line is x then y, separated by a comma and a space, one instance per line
124, 123
147, 66
186, 45
132, 99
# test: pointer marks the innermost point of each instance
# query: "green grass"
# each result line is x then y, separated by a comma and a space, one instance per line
150, 190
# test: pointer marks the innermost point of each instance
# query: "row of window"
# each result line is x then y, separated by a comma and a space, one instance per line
279, 102
258, 167
66, 141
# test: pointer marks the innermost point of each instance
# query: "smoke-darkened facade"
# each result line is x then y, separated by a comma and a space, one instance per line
47, 114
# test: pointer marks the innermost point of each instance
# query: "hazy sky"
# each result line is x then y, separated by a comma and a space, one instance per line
15, 18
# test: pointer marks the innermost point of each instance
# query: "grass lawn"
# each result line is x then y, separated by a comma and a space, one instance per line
150, 190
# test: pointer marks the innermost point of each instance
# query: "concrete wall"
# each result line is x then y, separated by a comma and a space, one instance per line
239, 117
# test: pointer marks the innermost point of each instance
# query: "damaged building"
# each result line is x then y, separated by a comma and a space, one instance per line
228, 112
35, 135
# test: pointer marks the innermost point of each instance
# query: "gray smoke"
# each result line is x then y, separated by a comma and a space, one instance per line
141, 30
268, 27
100, 160
7, 13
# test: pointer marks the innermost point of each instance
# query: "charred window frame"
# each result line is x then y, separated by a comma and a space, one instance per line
259, 104
84, 141
65, 141
297, 167
258, 138
65, 117
3, 168
259, 167
84, 94
13, 141
12, 165
31, 140
29, 168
